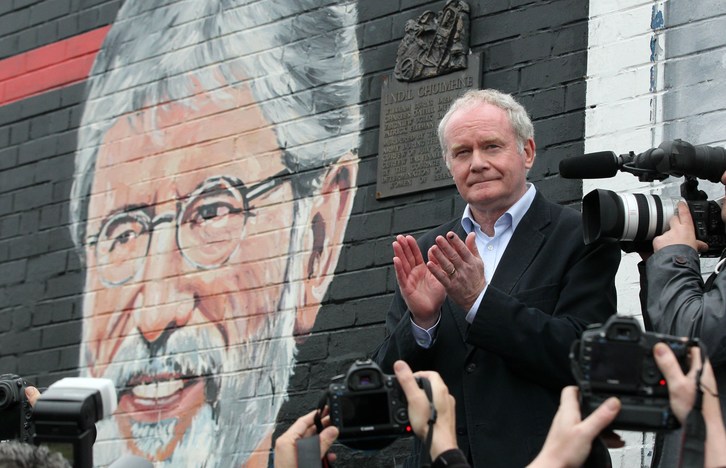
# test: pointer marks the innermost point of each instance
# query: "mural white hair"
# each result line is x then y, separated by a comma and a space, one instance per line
300, 60
518, 116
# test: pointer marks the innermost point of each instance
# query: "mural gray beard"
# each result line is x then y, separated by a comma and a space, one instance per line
251, 378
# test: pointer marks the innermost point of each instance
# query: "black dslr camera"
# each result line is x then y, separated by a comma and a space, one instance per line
616, 359
368, 407
16, 414
66, 413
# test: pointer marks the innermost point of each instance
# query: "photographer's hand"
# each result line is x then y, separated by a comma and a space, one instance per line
681, 231
304, 426
570, 437
682, 394
32, 394
419, 409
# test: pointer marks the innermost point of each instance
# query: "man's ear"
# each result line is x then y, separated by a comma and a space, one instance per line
529, 153
323, 237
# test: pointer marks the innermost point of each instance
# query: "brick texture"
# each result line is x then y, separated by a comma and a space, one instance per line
533, 49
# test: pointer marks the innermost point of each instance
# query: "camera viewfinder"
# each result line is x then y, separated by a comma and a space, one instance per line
365, 379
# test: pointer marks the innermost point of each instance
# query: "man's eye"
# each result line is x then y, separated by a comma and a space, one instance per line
123, 238
126, 236
213, 211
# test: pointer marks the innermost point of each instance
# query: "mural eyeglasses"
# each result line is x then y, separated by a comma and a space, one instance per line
209, 224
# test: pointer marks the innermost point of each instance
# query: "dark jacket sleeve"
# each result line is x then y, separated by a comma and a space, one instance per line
400, 342
677, 303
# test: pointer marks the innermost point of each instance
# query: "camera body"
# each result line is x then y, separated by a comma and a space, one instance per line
616, 359
368, 406
16, 414
708, 224
66, 413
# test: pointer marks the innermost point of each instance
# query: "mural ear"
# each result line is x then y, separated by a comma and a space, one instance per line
323, 237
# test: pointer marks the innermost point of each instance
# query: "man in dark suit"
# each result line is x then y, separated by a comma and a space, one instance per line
502, 291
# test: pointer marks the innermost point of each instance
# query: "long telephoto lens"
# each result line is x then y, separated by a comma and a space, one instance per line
628, 216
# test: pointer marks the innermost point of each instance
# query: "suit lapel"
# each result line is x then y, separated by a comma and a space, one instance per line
521, 251
523, 247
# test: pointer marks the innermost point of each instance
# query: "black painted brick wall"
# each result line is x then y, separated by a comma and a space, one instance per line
40, 275
534, 49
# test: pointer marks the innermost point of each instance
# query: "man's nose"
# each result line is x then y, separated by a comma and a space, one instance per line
167, 301
479, 160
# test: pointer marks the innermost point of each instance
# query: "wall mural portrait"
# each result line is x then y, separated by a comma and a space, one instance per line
215, 174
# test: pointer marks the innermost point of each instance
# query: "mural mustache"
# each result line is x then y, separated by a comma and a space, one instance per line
157, 378
192, 385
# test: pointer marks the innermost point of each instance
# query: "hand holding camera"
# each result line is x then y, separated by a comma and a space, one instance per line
419, 407
617, 360
369, 407
372, 409
681, 231
575, 425
286, 453
15, 409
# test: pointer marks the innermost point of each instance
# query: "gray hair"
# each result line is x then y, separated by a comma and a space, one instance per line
518, 116
299, 59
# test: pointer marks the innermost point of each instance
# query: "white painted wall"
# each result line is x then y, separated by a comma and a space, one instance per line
655, 73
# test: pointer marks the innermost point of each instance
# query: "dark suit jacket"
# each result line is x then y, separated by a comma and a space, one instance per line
507, 368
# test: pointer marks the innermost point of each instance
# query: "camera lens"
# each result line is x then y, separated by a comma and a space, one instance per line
627, 216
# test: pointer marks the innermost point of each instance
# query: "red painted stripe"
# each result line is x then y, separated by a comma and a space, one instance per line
49, 67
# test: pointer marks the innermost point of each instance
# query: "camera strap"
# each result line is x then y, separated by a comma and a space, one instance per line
694, 434
308, 449
308, 452
318, 419
709, 282
425, 456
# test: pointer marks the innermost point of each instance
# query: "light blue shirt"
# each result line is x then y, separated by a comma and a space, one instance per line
490, 249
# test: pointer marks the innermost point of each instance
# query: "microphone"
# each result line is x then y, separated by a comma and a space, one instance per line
672, 158
600, 165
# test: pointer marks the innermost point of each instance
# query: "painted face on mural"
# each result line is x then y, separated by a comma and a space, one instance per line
192, 294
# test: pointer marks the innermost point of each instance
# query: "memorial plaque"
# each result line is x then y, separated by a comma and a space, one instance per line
409, 154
